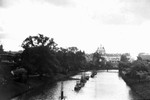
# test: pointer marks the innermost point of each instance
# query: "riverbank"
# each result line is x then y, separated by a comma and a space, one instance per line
32, 83
140, 87
10, 89
36, 82
105, 86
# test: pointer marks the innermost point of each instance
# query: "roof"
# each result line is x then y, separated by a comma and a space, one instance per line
113, 55
145, 57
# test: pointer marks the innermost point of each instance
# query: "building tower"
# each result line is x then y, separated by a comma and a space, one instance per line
101, 50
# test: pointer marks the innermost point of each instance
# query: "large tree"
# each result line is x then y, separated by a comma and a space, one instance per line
39, 55
71, 59
98, 60
37, 41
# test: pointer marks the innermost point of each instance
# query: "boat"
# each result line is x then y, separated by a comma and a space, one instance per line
80, 83
78, 86
87, 77
93, 73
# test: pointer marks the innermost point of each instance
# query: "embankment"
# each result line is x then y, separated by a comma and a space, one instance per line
140, 87
35, 82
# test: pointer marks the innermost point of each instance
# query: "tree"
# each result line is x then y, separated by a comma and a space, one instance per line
138, 70
124, 65
73, 49
37, 41
124, 58
62, 57
39, 55
1, 49
71, 59
98, 60
75, 58
109, 64
139, 58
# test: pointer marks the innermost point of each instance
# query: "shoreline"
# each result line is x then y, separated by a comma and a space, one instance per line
33, 83
37, 83
140, 88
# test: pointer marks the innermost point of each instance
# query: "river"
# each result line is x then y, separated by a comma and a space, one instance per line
104, 86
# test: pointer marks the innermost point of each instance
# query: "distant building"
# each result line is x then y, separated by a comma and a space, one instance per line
144, 56
101, 50
109, 57
7, 57
128, 56
113, 58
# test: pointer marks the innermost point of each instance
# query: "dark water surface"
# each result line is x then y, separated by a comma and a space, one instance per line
104, 86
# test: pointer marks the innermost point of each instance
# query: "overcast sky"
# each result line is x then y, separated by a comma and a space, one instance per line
119, 25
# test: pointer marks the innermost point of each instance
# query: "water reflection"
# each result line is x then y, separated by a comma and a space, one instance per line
104, 86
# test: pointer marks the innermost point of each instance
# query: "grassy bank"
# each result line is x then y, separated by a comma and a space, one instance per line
36, 82
140, 87
11, 89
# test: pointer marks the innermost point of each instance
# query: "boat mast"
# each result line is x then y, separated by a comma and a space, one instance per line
62, 92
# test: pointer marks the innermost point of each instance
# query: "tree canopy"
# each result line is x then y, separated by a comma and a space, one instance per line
39, 40
124, 58
42, 56
39, 55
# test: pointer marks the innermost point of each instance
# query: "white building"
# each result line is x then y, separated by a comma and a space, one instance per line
114, 58
111, 57
144, 56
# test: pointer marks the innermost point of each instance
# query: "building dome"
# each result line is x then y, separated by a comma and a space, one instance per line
101, 50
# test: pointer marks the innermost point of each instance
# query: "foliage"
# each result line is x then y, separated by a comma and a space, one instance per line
98, 60
136, 70
71, 59
139, 66
17, 60
124, 58
109, 64
42, 56
139, 58
39, 55
124, 65
39, 60
37, 41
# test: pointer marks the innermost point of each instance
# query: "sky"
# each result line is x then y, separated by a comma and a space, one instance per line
121, 26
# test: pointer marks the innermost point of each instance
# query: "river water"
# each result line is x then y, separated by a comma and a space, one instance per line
104, 86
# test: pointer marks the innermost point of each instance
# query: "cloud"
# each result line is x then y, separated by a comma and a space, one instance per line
119, 12
109, 12
1, 29
140, 8
1, 3
8, 3
2, 35
57, 2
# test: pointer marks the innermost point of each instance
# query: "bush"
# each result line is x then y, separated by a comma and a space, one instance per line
138, 70
123, 66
